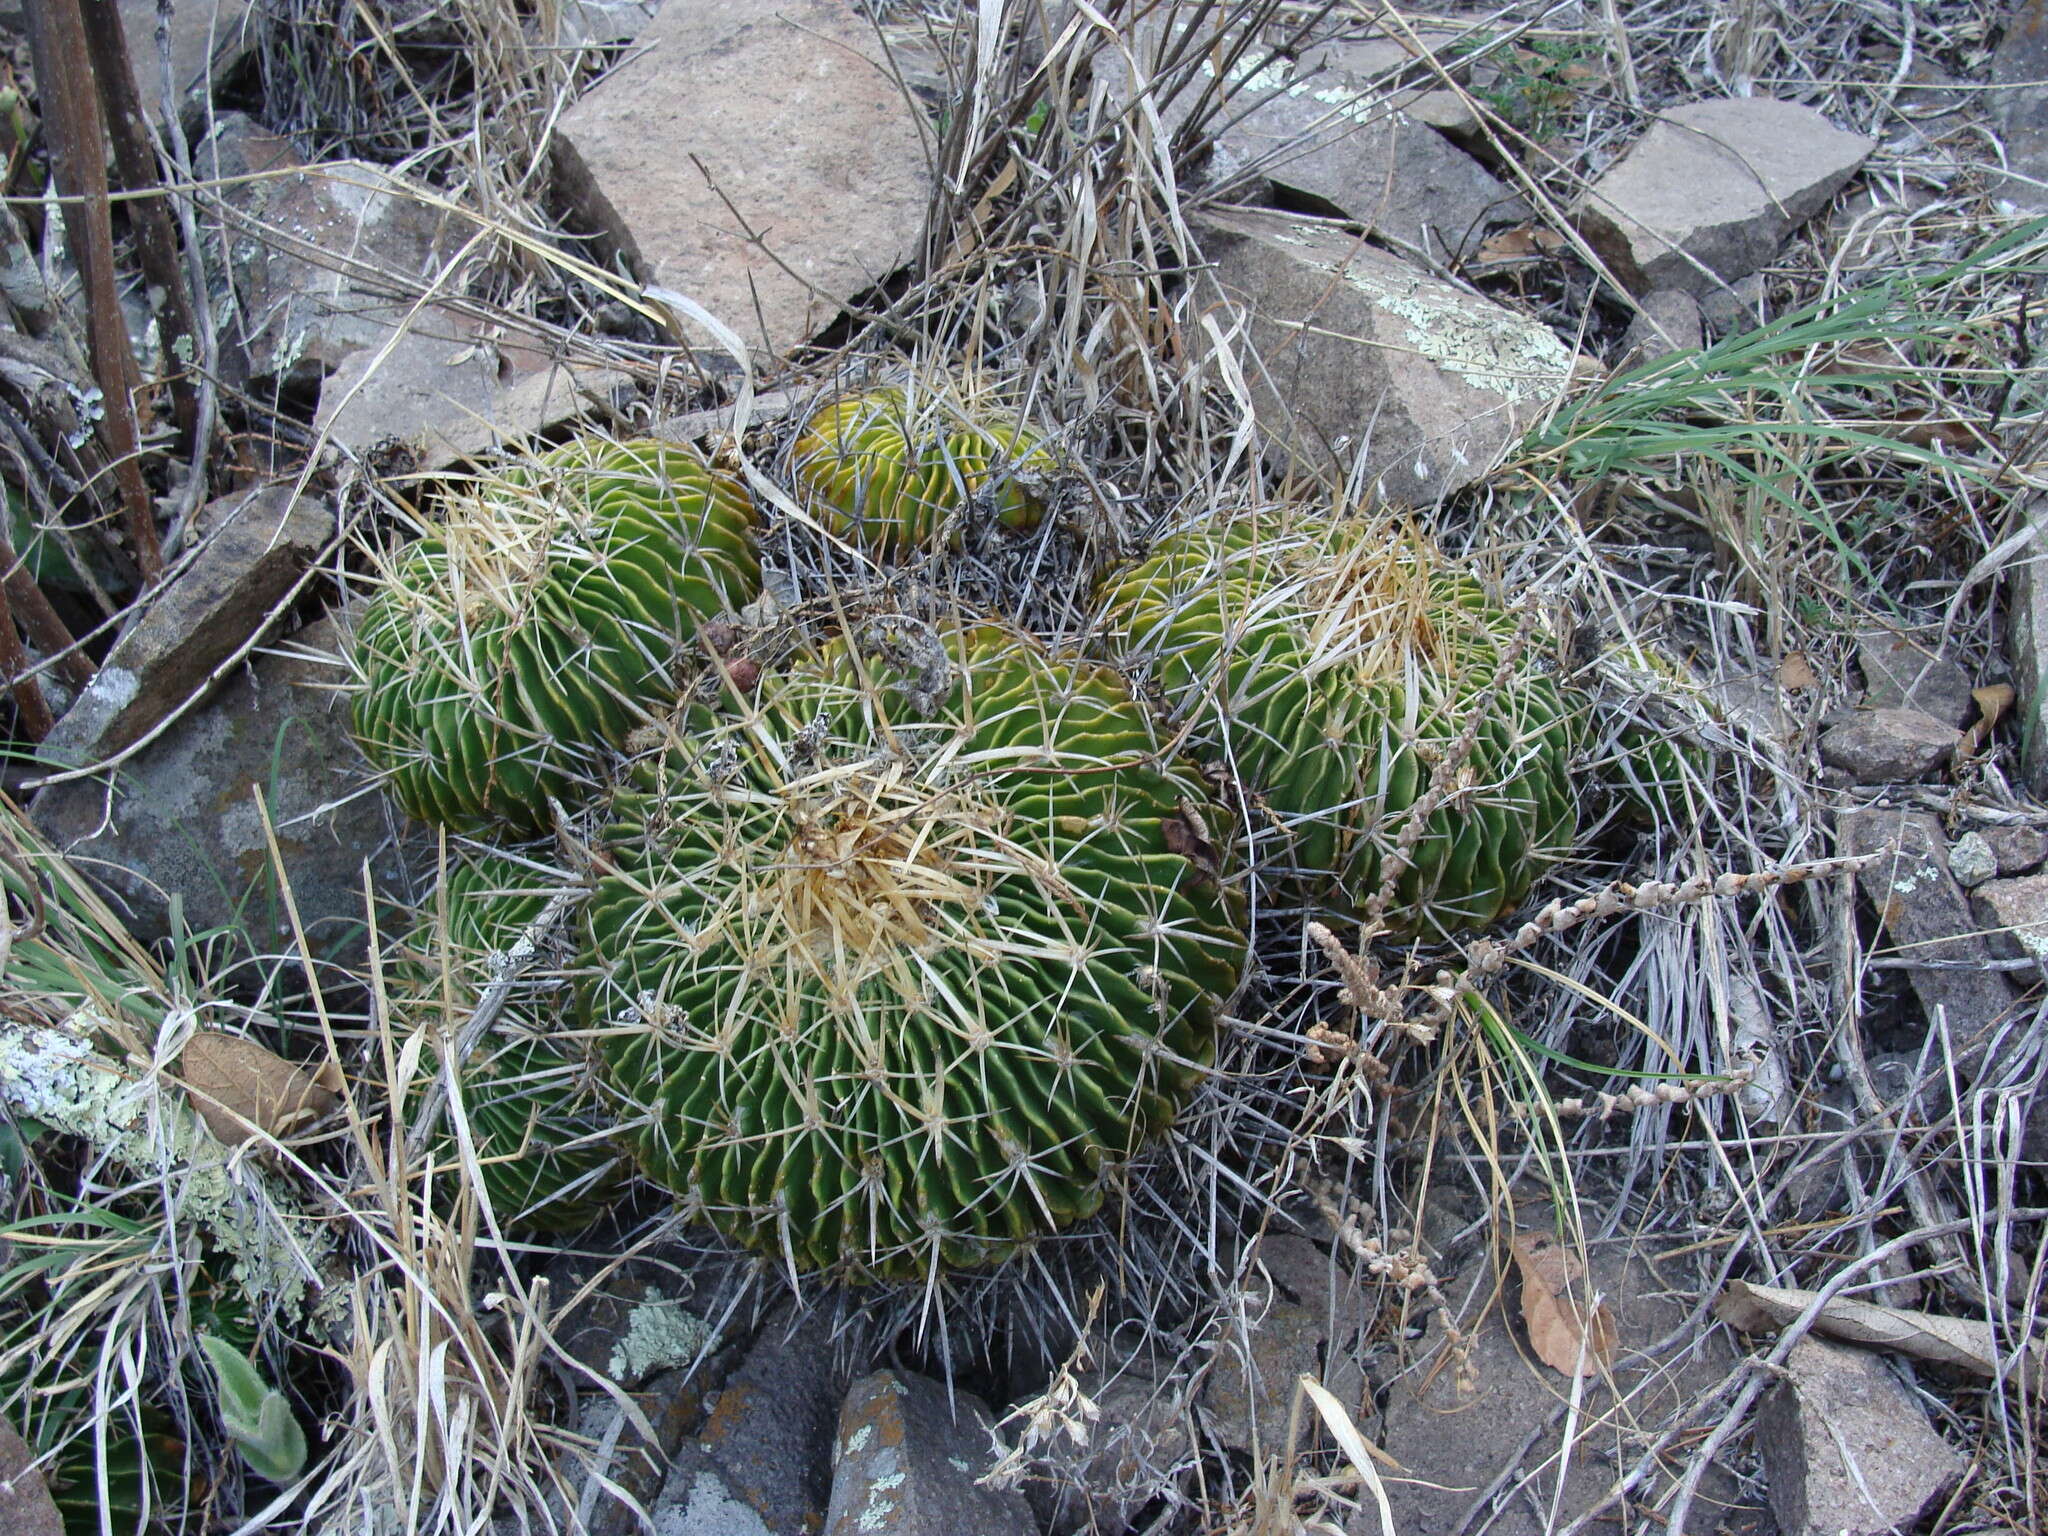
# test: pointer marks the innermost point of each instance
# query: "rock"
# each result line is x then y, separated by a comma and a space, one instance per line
1139, 1437
26, 1508
306, 245
207, 38
1847, 1449
252, 548
537, 403
1668, 322
907, 1460
2015, 916
2018, 849
1299, 1313
790, 174
1733, 308
1360, 356
604, 23
695, 1501
1897, 674
2018, 103
770, 1432
1713, 188
1887, 746
181, 821
1329, 128
1972, 860
2027, 644
1926, 916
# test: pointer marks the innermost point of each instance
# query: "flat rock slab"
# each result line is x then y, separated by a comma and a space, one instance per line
1847, 1449
1708, 194
311, 249
204, 35
759, 159
181, 820
2015, 916
770, 1433
1926, 916
1355, 354
252, 548
1330, 127
1888, 746
2018, 103
1900, 674
908, 1463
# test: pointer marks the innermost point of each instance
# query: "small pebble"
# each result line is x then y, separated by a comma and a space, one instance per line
1972, 860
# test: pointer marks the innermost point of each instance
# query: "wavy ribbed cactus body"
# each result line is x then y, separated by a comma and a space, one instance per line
1331, 668
901, 963
540, 623
536, 1119
888, 467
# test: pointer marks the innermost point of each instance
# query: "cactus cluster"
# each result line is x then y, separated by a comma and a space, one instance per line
1330, 668
900, 971
890, 467
537, 1123
539, 623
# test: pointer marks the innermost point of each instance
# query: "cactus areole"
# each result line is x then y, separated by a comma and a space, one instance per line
903, 951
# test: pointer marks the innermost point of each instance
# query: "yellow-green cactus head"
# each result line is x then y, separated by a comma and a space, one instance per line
539, 622
1330, 665
895, 975
890, 468
526, 1089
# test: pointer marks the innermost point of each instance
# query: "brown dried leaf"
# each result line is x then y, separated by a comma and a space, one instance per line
1530, 242
26, 1508
1992, 703
1796, 672
1962, 1342
243, 1090
1564, 1335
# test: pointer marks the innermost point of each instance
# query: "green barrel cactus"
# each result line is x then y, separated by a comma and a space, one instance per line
900, 954
1329, 668
1658, 762
537, 1119
888, 467
540, 622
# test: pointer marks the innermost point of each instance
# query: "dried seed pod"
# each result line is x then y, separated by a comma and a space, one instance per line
899, 979
540, 622
1331, 667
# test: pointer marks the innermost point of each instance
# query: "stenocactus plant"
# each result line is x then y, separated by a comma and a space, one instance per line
540, 622
1330, 668
537, 1121
901, 954
887, 467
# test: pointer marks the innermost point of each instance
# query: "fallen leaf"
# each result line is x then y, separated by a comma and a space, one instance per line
1529, 242
1796, 672
1992, 703
1567, 1338
1962, 1342
241, 1089
26, 1508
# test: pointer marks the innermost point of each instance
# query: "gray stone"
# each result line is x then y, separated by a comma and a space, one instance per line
181, 821
1847, 1449
1926, 916
1668, 322
695, 1500
253, 547
604, 23
1713, 188
908, 1460
1299, 1313
1357, 356
760, 160
206, 36
1887, 746
1898, 674
26, 1508
311, 249
1330, 127
1729, 309
2019, 849
770, 1431
2018, 104
2015, 916
1972, 860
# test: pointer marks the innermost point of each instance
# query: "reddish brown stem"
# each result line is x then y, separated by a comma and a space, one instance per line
44, 625
32, 710
156, 238
71, 119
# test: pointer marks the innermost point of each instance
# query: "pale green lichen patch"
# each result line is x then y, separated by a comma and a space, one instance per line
55, 1075
1282, 77
660, 1335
